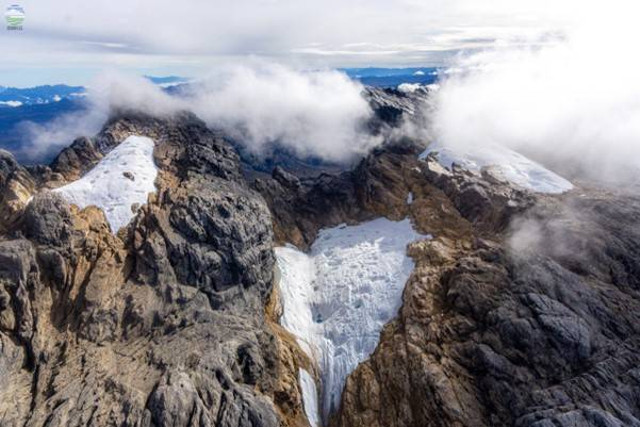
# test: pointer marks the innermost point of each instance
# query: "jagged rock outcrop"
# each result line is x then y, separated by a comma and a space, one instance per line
161, 325
16, 187
536, 326
380, 185
486, 200
75, 160
302, 206
522, 311
393, 107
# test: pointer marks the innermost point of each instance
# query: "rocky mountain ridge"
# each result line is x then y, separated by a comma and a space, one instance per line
163, 324
522, 310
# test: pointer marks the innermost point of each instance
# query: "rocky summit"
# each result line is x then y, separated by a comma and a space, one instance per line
522, 308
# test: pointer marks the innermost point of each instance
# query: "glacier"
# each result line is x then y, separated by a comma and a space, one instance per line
124, 177
337, 298
511, 165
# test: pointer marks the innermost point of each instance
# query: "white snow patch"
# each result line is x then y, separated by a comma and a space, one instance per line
310, 398
106, 186
337, 298
11, 103
410, 197
512, 166
298, 272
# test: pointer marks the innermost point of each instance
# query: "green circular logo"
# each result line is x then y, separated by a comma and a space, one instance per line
14, 16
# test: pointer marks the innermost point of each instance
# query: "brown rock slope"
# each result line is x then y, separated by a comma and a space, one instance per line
522, 311
535, 326
162, 325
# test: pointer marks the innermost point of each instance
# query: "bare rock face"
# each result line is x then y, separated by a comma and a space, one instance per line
522, 311
162, 325
16, 187
393, 107
382, 184
484, 199
303, 206
76, 159
534, 323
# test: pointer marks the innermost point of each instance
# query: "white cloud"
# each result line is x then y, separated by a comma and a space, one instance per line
110, 91
327, 33
574, 105
312, 113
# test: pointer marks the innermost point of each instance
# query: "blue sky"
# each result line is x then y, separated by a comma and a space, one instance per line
72, 40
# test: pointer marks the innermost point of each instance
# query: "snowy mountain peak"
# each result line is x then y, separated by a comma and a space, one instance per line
123, 178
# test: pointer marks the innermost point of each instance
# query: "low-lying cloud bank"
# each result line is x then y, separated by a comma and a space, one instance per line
314, 113
320, 114
108, 92
574, 105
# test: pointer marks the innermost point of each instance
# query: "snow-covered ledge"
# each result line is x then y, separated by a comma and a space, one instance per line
124, 177
337, 298
511, 165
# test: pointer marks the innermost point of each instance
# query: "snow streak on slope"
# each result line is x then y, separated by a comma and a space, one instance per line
338, 297
122, 178
513, 166
310, 398
298, 272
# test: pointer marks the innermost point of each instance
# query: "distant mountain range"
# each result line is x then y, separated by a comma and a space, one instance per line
12, 97
167, 81
17, 97
392, 77
12, 135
